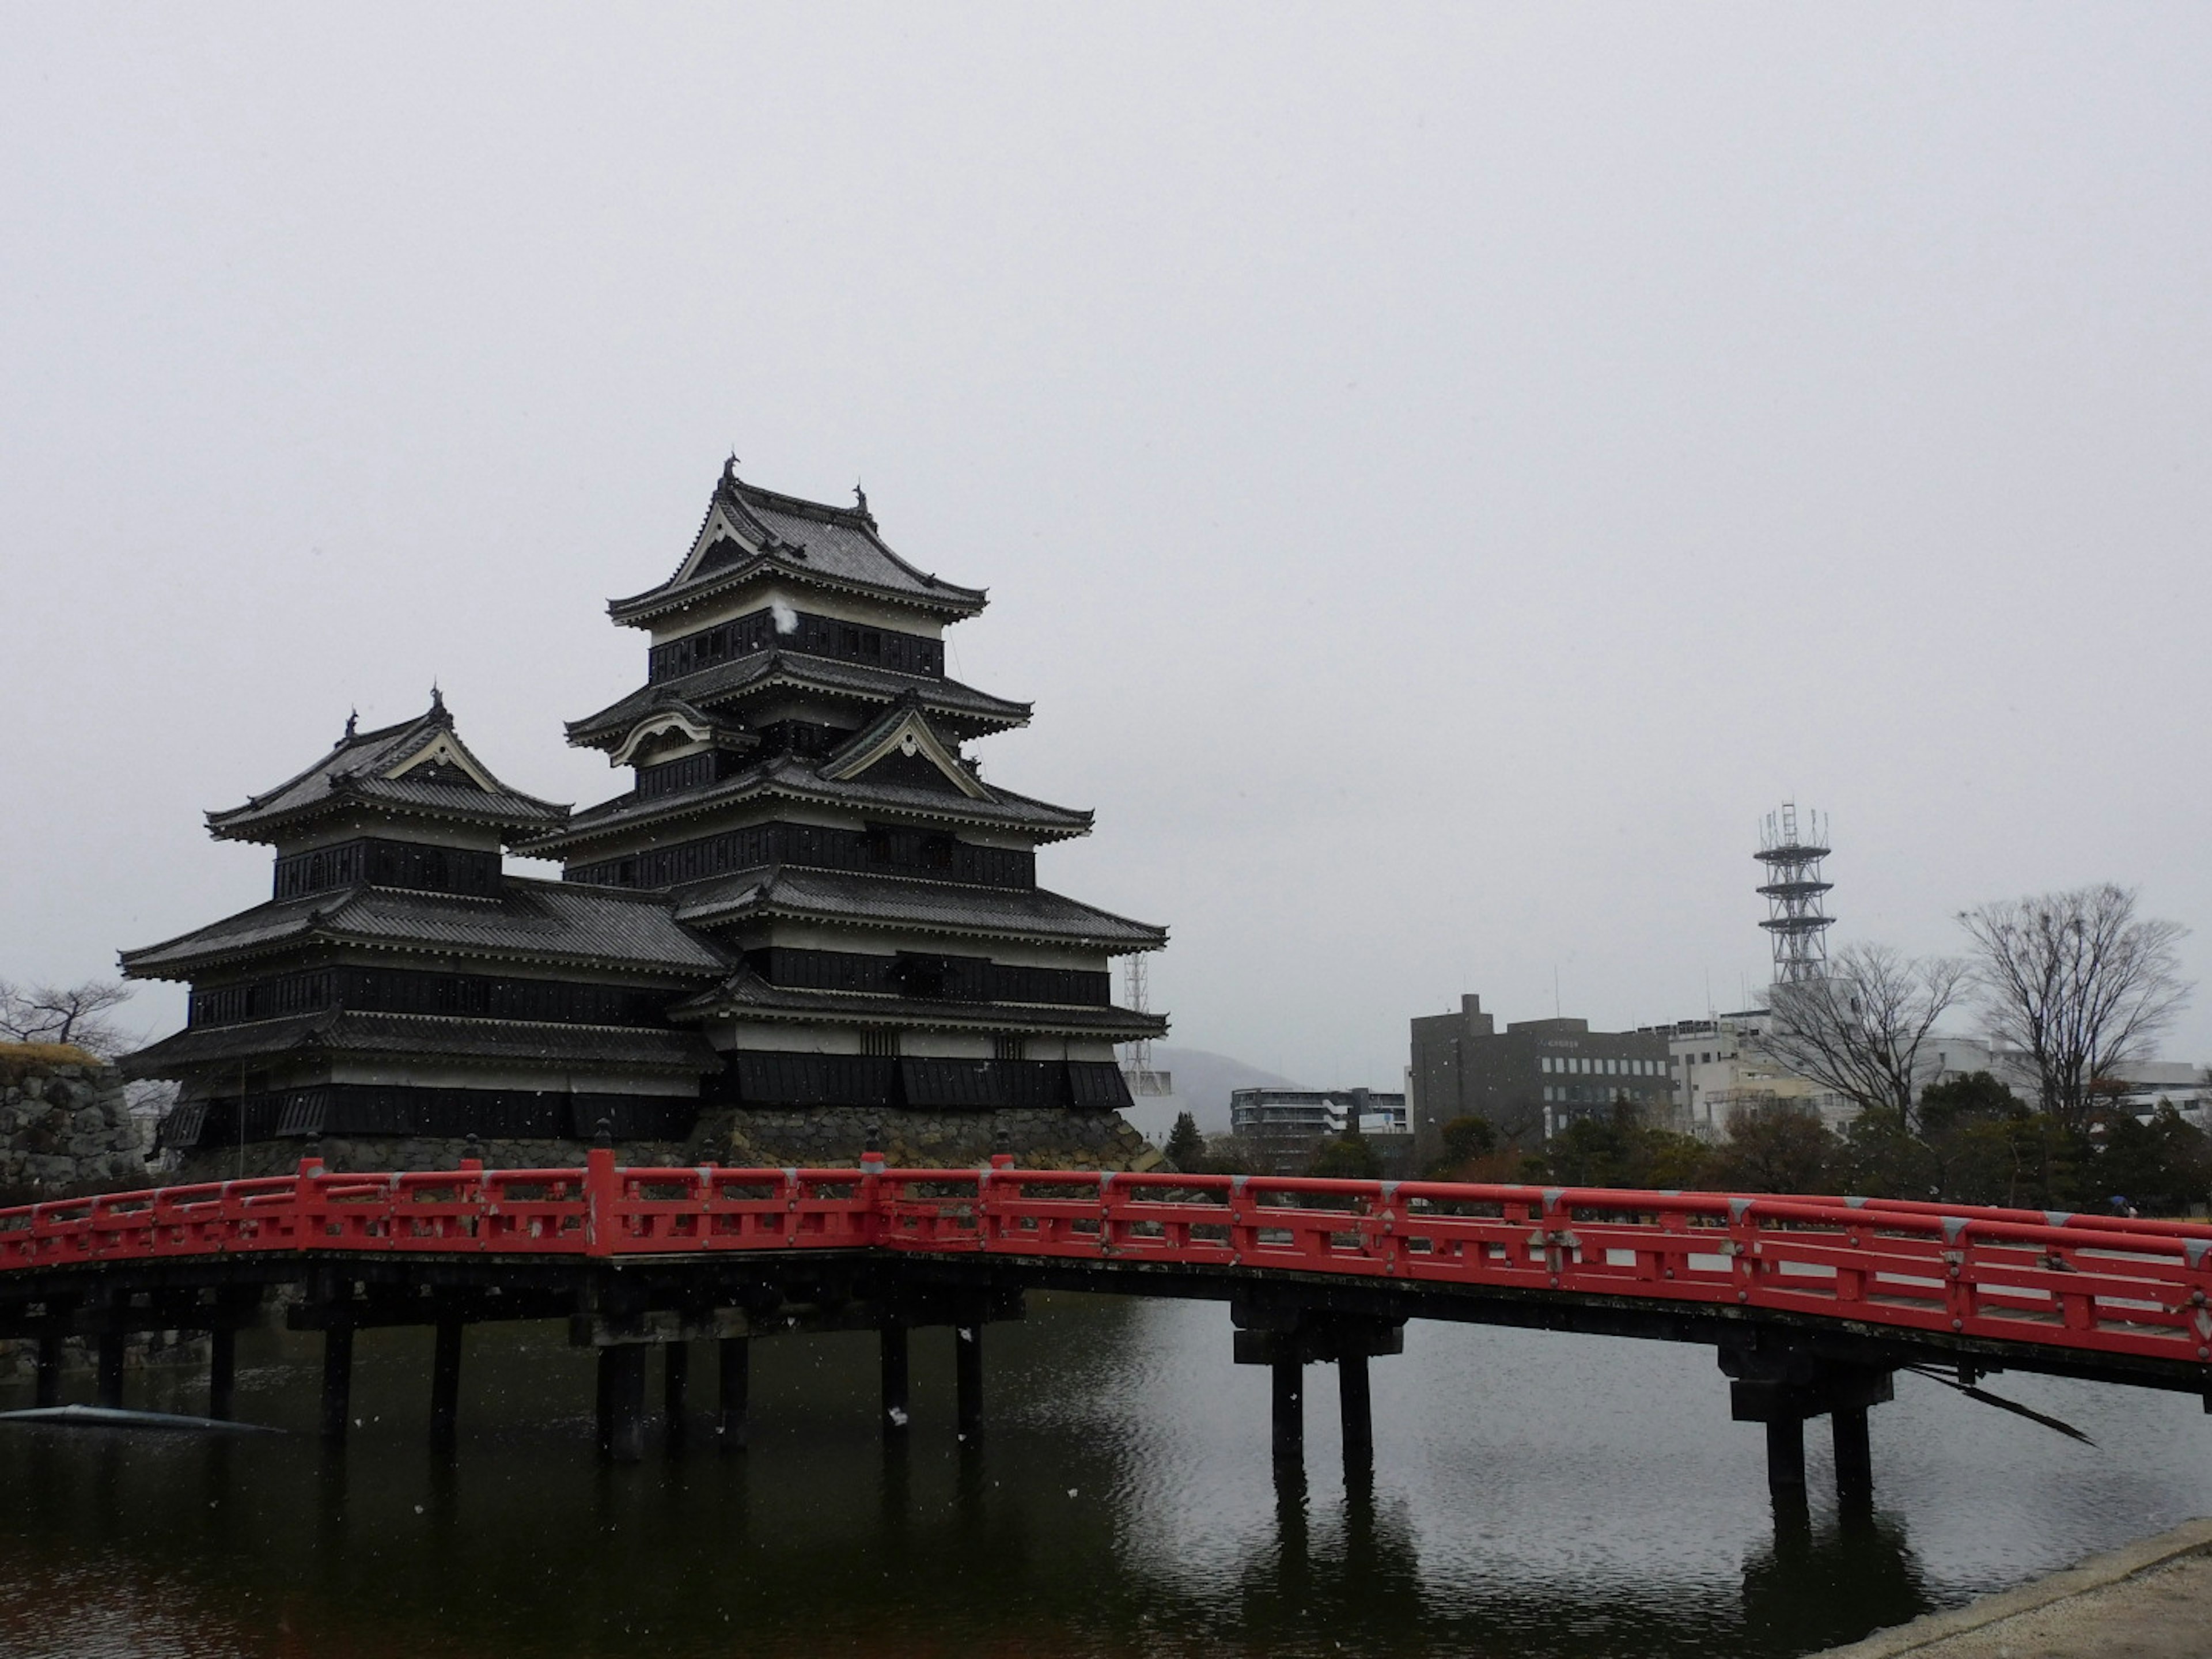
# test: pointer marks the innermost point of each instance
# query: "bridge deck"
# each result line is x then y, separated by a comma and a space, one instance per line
1890, 1282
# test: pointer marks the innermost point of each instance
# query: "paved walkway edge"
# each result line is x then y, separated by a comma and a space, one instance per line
2191, 1538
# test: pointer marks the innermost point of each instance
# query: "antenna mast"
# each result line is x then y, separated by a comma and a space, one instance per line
1793, 891
1138, 1068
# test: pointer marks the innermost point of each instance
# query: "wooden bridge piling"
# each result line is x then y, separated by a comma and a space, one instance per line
968, 1375
222, 1373
337, 1381
734, 1359
1781, 1385
446, 1383
1355, 1409
622, 1401
676, 1391
892, 1336
1785, 1459
1287, 1375
49, 1369
1287, 1337
108, 1386
1854, 1459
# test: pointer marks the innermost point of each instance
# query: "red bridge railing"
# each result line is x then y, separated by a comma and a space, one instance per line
2078, 1282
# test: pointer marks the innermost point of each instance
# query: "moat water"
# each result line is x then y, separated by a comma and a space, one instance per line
1532, 1494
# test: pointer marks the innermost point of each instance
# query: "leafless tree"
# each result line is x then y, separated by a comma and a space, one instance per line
74, 1014
1859, 1031
2077, 984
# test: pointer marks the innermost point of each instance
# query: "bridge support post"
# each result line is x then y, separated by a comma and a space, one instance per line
1289, 1338
1785, 1459
676, 1389
1290, 1414
337, 1382
222, 1373
1854, 1458
733, 1357
446, 1384
49, 1369
892, 1335
622, 1401
1355, 1409
968, 1377
1781, 1385
109, 1384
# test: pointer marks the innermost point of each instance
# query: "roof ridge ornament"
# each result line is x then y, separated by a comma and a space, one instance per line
438, 711
353, 719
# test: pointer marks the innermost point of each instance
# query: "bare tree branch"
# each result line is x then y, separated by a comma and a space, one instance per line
75, 1014
2077, 984
1859, 1031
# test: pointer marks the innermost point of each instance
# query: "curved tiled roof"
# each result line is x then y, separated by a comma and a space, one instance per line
936, 907
790, 777
354, 772
745, 992
435, 1036
810, 541
545, 920
978, 710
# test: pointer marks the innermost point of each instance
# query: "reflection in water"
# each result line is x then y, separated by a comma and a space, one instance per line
1530, 1494
1819, 1587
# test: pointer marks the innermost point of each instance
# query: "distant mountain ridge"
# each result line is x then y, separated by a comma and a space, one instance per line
1203, 1080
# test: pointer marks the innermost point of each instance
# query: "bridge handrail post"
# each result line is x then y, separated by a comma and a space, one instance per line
1743, 1247
307, 1202
602, 1192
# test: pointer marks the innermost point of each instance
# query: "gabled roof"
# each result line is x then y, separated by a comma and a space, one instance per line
688, 723
530, 921
790, 777
429, 1036
745, 993
419, 766
962, 706
900, 734
839, 897
750, 532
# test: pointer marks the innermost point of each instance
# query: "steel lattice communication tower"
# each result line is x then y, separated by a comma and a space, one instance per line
1793, 890
1137, 1069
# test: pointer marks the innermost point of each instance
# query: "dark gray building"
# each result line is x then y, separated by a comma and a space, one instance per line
1531, 1079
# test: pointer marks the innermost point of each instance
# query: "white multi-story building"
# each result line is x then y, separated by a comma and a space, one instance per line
1717, 1068
1288, 1124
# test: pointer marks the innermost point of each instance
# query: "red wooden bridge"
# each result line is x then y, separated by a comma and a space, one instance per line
1812, 1303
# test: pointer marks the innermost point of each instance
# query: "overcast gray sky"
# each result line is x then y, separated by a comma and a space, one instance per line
1442, 473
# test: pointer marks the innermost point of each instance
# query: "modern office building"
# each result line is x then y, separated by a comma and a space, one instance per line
1715, 1067
1531, 1079
1287, 1125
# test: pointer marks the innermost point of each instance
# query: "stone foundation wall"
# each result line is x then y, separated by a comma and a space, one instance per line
1039, 1139
736, 1137
65, 1123
381, 1153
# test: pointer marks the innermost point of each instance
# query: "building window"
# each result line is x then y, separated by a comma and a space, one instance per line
1010, 1045
880, 1043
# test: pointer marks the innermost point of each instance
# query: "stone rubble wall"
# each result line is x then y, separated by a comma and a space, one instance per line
834, 1136
735, 1136
65, 1123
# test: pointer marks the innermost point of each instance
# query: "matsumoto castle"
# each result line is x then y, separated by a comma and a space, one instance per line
808, 916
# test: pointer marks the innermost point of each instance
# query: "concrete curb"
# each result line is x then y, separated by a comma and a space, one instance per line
2099, 1571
